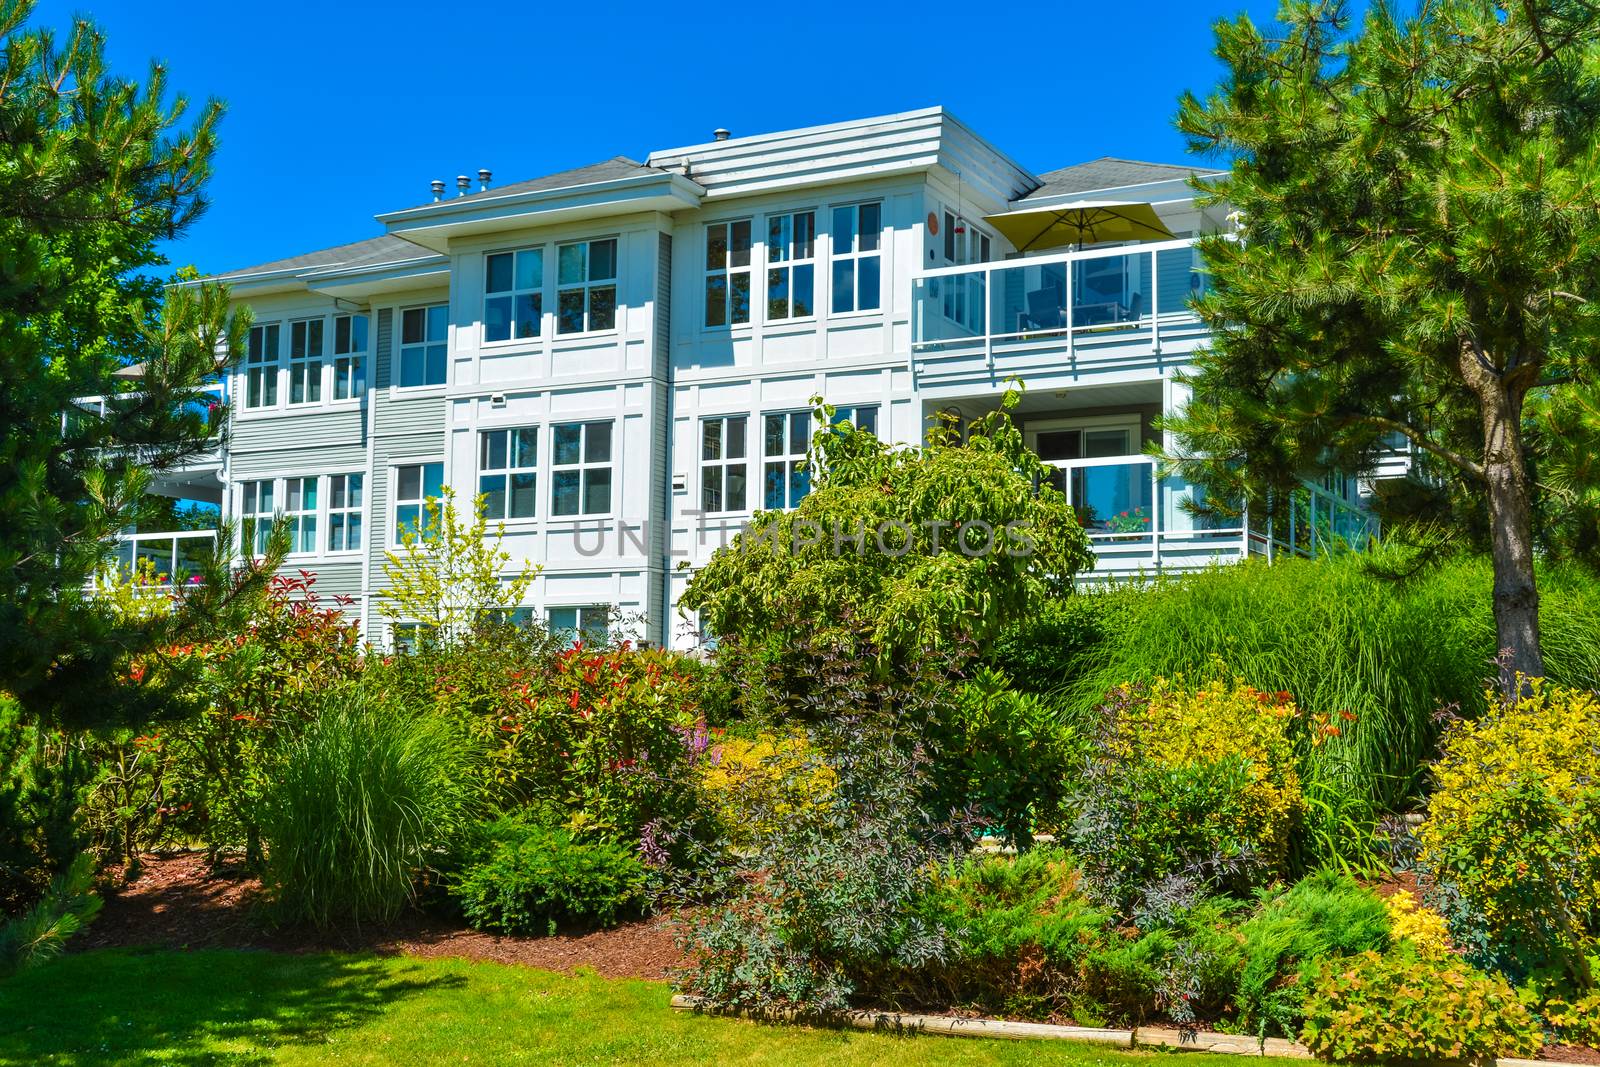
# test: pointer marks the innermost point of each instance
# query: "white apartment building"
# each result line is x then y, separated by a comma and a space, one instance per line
622, 357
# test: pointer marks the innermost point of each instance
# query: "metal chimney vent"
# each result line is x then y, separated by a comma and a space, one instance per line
463, 183
483, 179
720, 134
438, 189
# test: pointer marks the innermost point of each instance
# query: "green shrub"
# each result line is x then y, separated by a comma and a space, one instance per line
358, 803
1048, 650
1406, 1006
1514, 828
533, 879
1325, 915
1194, 782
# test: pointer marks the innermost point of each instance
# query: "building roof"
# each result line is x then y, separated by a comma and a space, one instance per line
373, 251
604, 171
1109, 172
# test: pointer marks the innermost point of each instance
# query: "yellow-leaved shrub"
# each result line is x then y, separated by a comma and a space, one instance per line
754, 784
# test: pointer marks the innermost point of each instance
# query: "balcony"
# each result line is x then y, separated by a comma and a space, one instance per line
1137, 522
1056, 319
199, 478
171, 557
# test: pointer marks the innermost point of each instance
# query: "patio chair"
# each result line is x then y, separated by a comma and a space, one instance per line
1046, 310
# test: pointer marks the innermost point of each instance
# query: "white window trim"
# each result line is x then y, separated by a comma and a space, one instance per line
786, 457
580, 608
546, 312
272, 366
727, 272
329, 511
856, 256
613, 464
292, 364
400, 346
361, 357
702, 464
250, 521
391, 517
789, 264
537, 470
315, 515
615, 282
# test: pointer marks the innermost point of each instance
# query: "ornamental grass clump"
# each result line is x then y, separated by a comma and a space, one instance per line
1513, 831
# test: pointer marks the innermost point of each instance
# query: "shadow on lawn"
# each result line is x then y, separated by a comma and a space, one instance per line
191, 1008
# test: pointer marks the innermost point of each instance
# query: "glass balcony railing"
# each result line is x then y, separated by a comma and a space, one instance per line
170, 557
1098, 291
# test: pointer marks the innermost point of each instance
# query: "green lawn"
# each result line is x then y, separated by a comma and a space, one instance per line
184, 1008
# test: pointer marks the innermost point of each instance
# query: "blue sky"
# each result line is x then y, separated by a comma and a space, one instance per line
340, 110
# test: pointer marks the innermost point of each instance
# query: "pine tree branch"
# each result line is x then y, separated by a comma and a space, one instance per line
1422, 441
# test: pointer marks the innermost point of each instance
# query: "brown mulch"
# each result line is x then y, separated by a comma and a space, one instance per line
1570, 1054
179, 902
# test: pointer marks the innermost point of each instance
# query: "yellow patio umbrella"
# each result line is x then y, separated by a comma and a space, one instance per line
1080, 222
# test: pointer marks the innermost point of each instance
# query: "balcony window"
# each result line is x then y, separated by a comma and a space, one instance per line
305, 361
513, 297
857, 257
261, 367
301, 494
791, 266
257, 510
424, 334
581, 468
862, 417
414, 485
344, 512
586, 286
349, 356
728, 273
508, 463
724, 463
590, 623
786, 472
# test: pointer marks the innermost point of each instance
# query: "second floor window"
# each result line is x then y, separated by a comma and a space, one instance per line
349, 356
305, 361
260, 505
586, 286
724, 463
513, 300
414, 485
344, 512
261, 367
580, 468
728, 273
791, 270
508, 462
424, 334
302, 512
857, 254
786, 476
590, 623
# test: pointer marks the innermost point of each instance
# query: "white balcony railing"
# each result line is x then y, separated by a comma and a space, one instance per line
1137, 520
1127, 293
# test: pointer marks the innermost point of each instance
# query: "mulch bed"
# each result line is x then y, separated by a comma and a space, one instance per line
178, 901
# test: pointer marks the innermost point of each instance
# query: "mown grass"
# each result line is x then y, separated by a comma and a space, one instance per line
256, 1008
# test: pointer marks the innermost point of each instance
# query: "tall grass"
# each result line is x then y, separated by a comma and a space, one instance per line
359, 802
1339, 638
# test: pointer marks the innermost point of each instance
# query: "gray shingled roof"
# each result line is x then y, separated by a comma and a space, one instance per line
372, 251
1108, 172
604, 171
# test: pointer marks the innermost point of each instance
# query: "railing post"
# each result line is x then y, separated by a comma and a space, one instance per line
988, 334
1155, 302
1067, 298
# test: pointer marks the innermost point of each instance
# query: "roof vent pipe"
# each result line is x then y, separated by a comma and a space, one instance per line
463, 183
438, 189
720, 134
483, 179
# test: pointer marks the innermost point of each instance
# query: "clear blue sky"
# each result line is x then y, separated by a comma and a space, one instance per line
340, 110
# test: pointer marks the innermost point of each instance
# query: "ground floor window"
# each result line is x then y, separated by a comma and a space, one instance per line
590, 623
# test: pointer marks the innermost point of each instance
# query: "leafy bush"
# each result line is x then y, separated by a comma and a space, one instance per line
755, 786
1575, 1022
44, 777
358, 804
1192, 782
1410, 1006
1290, 934
1514, 828
534, 878
1049, 649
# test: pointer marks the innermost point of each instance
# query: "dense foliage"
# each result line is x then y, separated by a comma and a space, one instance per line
531, 879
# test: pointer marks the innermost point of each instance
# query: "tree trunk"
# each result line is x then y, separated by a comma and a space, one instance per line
1505, 475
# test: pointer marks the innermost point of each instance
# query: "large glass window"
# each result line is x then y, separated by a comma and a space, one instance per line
305, 361
513, 297
586, 286
787, 475
724, 463
349, 356
728, 273
344, 512
590, 623
424, 335
508, 463
862, 417
857, 252
261, 367
791, 266
301, 494
257, 511
580, 468
414, 485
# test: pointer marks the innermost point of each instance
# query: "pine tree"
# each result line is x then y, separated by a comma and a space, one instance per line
1418, 253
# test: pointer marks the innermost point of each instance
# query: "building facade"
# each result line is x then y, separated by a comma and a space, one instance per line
622, 358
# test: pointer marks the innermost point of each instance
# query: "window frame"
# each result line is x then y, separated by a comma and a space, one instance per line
306, 369
852, 413
589, 285
419, 502
350, 366
514, 295
251, 526
302, 520
794, 462
723, 467
346, 512
424, 345
790, 264
511, 470
581, 631
727, 271
854, 255
583, 467
260, 366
